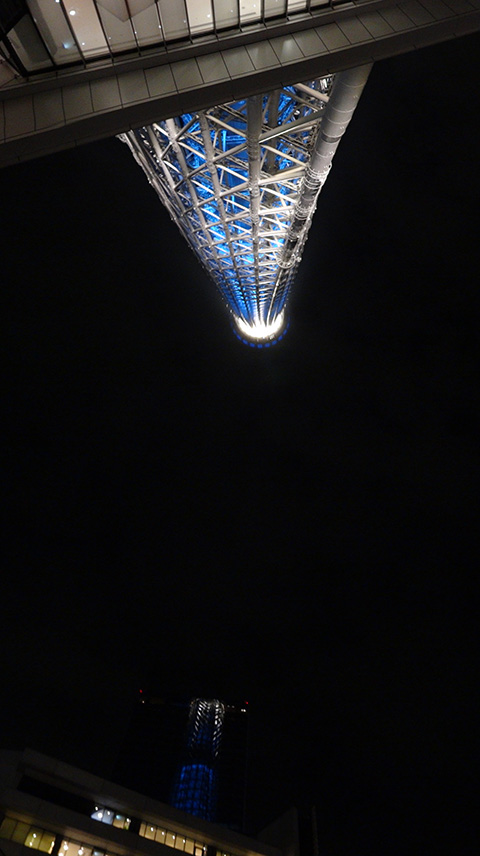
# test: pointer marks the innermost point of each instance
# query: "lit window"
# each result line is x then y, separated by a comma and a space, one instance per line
149, 831
32, 840
98, 813
29, 836
7, 827
20, 832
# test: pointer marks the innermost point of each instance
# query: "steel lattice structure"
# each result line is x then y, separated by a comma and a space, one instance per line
241, 182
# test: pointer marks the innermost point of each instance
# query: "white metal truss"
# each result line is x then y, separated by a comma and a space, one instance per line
241, 182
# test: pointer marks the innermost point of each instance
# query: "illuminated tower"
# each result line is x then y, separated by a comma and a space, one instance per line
195, 788
192, 755
241, 181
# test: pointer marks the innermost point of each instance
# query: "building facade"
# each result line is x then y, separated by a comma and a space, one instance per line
74, 71
52, 807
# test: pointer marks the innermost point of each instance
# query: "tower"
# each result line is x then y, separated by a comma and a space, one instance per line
241, 182
191, 755
210, 780
195, 788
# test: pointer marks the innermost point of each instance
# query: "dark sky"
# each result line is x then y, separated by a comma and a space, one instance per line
295, 526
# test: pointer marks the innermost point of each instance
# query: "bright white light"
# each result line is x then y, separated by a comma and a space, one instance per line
72, 12
259, 331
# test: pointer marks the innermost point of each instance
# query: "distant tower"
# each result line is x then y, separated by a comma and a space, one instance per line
189, 754
196, 784
241, 181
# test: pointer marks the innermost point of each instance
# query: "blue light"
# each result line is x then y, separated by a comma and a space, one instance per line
195, 791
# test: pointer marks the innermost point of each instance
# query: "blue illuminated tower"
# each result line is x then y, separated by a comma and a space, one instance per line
241, 181
195, 788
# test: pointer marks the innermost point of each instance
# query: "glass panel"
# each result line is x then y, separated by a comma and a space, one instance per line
170, 839
46, 842
319, 3
275, 7
296, 5
250, 10
147, 26
117, 25
7, 828
86, 26
150, 832
200, 16
108, 816
82, 851
226, 13
20, 832
174, 18
33, 838
28, 45
54, 30
189, 845
179, 842
160, 835
98, 813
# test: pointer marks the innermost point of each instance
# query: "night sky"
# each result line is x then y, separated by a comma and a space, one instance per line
297, 526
